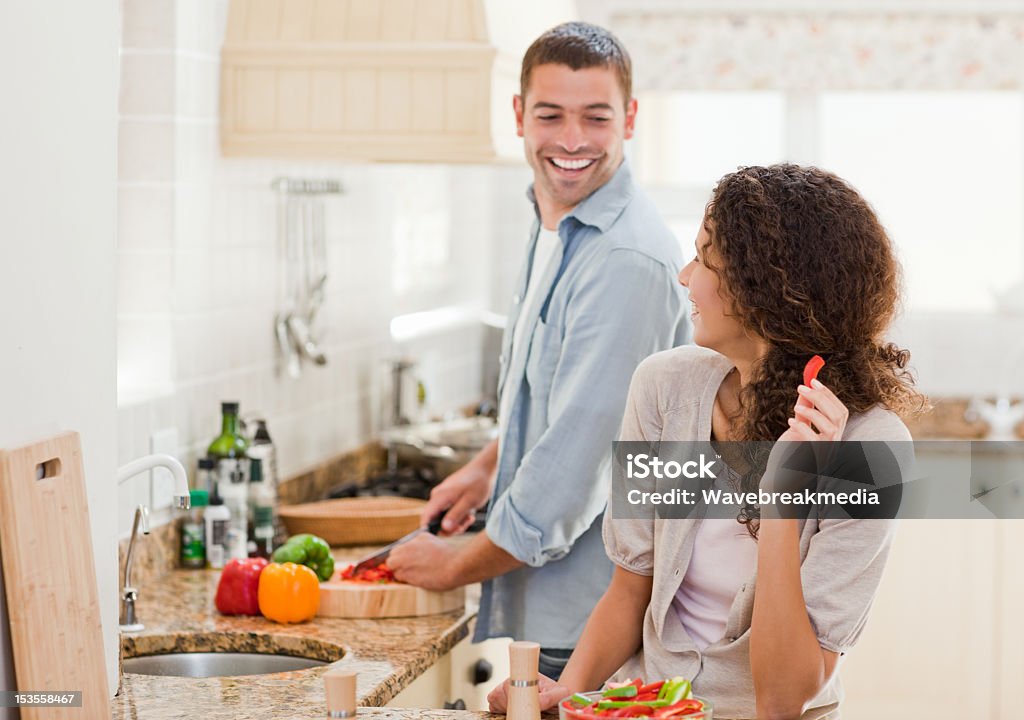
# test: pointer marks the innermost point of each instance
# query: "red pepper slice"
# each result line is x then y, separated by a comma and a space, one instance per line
653, 687
683, 707
812, 368
634, 710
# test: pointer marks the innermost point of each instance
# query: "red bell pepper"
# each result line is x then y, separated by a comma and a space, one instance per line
812, 368
238, 588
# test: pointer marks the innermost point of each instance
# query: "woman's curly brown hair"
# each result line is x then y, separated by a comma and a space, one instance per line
807, 266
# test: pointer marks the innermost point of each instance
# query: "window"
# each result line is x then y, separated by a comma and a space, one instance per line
686, 141
945, 171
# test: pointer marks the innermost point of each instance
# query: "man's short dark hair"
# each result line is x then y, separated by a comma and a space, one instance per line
579, 45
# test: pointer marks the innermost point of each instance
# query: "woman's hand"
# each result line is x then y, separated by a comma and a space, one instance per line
820, 419
819, 415
550, 693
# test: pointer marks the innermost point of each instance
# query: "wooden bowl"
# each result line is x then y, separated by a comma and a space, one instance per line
354, 521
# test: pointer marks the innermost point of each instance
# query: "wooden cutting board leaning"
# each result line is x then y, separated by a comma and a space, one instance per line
50, 576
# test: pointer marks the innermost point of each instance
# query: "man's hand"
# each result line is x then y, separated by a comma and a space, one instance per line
461, 493
434, 564
550, 693
425, 561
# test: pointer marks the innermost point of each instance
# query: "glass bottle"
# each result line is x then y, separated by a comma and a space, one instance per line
262, 447
217, 519
228, 450
262, 501
230, 443
205, 477
193, 531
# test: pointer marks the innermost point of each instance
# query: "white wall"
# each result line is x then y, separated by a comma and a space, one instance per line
58, 132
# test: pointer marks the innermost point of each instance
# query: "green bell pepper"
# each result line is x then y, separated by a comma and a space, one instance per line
308, 550
626, 691
676, 689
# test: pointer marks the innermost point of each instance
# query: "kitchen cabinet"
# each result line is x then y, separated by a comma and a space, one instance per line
1009, 620
452, 677
465, 657
430, 690
939, 634
377, 80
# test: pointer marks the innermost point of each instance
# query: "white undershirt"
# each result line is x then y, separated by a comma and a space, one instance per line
544, 251
724, 557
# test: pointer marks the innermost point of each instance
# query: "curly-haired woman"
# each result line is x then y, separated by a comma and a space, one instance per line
791, 262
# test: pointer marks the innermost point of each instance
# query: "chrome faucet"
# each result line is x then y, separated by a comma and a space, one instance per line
129, 622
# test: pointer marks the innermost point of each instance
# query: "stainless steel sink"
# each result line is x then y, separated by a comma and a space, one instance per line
215, 664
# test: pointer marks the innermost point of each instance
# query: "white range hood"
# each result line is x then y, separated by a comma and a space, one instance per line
373, 80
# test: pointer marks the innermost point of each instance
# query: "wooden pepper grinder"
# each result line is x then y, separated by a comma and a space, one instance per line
523, 694
341, 693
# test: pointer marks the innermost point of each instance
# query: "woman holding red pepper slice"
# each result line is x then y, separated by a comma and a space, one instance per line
756, 609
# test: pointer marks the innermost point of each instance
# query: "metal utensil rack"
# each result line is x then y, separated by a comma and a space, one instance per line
302, 251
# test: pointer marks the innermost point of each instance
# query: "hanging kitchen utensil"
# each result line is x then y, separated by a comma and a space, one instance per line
303, 250
288, 355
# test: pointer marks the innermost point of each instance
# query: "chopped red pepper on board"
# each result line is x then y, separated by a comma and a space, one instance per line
380, 574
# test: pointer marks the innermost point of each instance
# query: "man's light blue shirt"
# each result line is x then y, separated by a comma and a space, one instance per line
609, 298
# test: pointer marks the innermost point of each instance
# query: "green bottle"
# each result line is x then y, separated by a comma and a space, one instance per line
193, 539
230, 443
228, 450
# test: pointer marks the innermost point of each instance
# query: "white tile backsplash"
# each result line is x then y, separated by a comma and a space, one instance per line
145, 217
198, 87
189, 16
149, 24
196, 149
145, 150
147, 83
194, 213
144, 356
144, 281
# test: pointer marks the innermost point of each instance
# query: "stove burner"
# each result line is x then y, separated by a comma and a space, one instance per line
403, 482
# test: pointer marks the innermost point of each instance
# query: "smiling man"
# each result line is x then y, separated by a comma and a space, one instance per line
597, 293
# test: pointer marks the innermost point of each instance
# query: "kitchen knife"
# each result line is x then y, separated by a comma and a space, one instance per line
381, 555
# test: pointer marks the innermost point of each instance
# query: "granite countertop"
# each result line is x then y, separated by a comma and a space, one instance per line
179, 615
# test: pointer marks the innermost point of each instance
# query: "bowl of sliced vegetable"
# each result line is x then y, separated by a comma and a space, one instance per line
662, 700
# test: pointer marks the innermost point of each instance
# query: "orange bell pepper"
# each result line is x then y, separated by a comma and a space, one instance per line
288, 593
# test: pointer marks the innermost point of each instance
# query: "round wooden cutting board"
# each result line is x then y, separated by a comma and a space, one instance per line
346, 599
